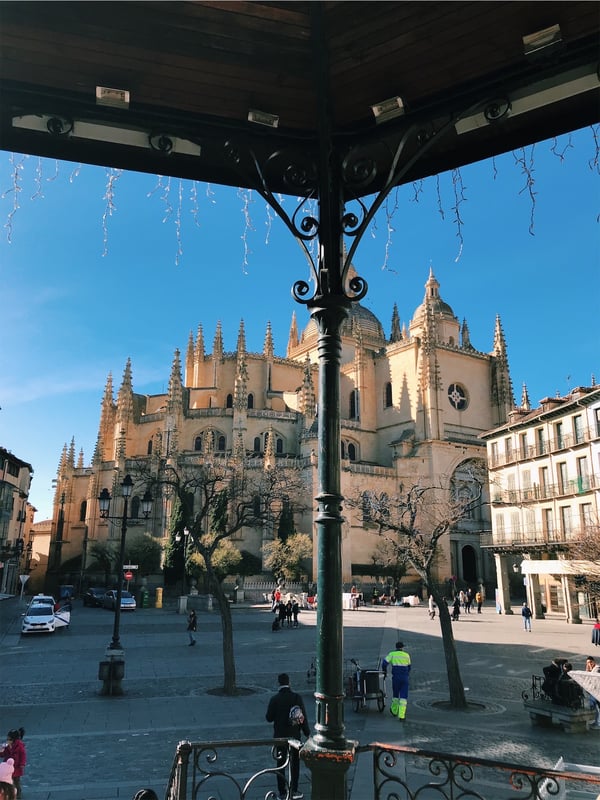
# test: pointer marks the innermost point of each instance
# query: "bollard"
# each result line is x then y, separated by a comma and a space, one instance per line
182, 604
159, 595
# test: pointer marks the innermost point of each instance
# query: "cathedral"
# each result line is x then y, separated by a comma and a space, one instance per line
413, 405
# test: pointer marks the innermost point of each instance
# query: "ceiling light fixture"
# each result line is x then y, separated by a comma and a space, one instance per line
388, 109
117, 98
263, 118
542, 40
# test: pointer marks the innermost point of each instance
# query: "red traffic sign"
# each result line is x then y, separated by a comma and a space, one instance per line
129, 575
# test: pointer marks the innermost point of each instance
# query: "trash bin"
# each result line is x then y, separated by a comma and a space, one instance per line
159, 597
145, 595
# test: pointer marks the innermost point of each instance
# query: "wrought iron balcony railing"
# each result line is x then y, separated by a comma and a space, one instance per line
246, 770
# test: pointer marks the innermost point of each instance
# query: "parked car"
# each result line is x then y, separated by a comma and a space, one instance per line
94, 597
127, 600
39, 618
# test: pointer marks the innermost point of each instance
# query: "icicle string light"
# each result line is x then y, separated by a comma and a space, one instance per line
179, 249
166, 198
39, 174
17, 168
246, 197
417, 187
494, 168
195, 209
459, 199
112, 176
594, 162
527, 170
438, 192
560, 154
75, 173
390, 210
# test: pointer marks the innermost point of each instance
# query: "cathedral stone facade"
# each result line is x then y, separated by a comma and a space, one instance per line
412, 406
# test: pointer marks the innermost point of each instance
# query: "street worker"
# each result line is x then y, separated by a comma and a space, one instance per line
399, 661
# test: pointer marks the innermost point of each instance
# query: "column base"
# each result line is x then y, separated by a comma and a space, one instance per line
328, 768
111, 672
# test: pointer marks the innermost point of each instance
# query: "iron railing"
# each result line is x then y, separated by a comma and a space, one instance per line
246, 770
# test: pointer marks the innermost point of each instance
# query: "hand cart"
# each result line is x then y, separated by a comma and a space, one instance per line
367, 684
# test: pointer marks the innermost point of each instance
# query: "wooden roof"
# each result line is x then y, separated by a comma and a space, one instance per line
194, 70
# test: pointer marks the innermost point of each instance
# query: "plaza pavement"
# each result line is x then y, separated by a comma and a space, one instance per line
82, 746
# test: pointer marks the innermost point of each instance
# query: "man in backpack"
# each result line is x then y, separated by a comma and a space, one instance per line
287, 727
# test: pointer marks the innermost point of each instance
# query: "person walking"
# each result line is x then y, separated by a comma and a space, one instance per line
456, 609
431, 607
287, 713
15, 749
479, 601
7, 787
526, 614
399, 660
192, 626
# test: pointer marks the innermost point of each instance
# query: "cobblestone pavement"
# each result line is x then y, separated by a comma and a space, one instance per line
82, 746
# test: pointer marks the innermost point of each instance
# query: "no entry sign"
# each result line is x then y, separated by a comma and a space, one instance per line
129, 575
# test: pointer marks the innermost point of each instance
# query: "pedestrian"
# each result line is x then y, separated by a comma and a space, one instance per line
456, 609
192, 626
479, 601
287, 713
591, 666
431, 607
526, 614
354, 598
288, 613
469, 601
15, 749
596, 633
399, 661
7, 787
295, 611
282, 613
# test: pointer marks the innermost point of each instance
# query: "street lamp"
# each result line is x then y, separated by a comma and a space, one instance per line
113, 671
178, 538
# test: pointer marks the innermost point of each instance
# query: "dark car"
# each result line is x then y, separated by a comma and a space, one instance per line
94, 597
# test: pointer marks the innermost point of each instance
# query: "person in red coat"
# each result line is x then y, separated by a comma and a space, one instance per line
15, 749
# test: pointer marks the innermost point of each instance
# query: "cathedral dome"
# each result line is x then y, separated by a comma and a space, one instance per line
358, 317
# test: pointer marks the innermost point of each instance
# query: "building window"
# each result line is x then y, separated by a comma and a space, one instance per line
561, 473
529, 523
494, 452
82, 511
578, 429
229, 401
597, 412
352, 452
512, 494
278, 445
544, 481
583, 475
548, 521
559, 436
149, 448
221, 443
541, 441
585, 515
500, 526
523, 445
508, 448
250, 401
527, 484
515, 524
354, 407
388, 395
256, 446
135, 507
198, 444
565, 520
457, 396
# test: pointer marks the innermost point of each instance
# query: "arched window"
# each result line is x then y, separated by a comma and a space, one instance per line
344, 450
135, 507
388, 395
250, 401
229, 401
221, 443
149, 448
256, 444
82, 511
354, 407
352, 451
279, 445
198, 444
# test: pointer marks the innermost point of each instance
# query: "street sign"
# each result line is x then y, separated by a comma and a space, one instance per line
130, 566
129, 575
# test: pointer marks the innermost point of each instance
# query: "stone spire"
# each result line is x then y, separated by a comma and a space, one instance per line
525, 404
239, 451
175, 391
189, 361
199, 351
502, 389
241, 340
62, 466
308, 401
71, 457
293, 336
218, 342
268, 348
125, 398
466, 337
240, 386
80, 459
106, 428
396, 333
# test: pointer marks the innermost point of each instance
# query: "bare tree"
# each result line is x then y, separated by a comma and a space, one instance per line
413, 525
216, 501
584, 550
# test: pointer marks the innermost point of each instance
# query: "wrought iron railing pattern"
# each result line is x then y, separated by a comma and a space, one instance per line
246, 770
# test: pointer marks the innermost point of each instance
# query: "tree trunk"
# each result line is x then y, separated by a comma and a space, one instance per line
229, 680
455, 684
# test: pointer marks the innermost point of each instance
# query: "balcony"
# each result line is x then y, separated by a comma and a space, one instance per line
532, 538
531, 451
248, 770
537, 492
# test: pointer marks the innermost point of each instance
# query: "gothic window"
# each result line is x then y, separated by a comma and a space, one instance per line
354, 407
198, 444
229, 401
82, 511
352, 452
135, 507
388, 395
250, 401
279, 446
149, 449
457, 395
256, 447
221, 443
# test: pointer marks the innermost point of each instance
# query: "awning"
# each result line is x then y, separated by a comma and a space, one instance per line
559, 567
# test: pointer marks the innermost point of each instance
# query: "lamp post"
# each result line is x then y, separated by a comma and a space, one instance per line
113, 670
178, 538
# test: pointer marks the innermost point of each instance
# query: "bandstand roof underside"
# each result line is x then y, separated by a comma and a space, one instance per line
466, 78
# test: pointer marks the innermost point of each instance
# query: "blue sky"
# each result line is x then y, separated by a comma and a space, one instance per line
72, 312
